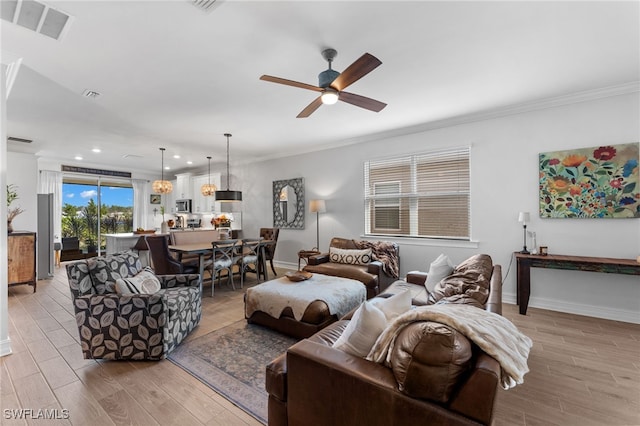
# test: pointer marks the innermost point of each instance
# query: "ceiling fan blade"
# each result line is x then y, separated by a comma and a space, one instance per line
310, 108
290, 83
354, 72
362, 101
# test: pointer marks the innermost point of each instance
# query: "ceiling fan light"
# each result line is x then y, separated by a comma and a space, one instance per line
329, 97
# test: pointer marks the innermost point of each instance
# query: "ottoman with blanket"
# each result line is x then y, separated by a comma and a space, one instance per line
300, 309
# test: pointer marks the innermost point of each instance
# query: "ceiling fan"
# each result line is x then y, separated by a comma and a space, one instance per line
332, 84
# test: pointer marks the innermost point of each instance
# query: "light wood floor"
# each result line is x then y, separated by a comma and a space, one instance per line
584, 371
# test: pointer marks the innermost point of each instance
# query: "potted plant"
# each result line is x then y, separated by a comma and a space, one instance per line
12, 195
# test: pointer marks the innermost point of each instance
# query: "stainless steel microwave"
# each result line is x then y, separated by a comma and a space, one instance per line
183, 206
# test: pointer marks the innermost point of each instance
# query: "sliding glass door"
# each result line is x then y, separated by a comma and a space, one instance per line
94, 206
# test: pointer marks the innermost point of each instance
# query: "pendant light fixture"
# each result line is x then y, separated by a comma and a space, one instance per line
162, 186
228, 196
208, 189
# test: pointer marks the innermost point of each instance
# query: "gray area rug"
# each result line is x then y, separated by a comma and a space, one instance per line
232, 362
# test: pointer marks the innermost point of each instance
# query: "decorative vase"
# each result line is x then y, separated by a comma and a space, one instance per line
164, 227
9, 227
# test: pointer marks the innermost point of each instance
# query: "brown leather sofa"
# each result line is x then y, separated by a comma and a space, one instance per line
372, 275
437, 376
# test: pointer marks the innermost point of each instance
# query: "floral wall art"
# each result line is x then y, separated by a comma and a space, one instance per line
598, 182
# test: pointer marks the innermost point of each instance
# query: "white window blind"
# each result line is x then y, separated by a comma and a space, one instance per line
419, 195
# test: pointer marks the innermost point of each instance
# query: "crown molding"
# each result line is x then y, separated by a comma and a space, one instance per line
572, 98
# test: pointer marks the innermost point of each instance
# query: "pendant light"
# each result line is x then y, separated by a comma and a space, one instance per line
162, 186
228, 196
208, 189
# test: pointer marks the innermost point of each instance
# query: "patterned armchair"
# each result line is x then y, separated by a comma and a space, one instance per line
135, 326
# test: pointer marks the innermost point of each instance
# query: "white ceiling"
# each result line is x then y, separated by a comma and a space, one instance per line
174, 76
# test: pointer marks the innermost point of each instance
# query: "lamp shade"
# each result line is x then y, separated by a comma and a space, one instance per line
208, 189
228, 196
162, 186
317, 206
524, 217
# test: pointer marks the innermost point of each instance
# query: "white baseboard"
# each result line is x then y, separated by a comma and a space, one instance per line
5, 347
578, 308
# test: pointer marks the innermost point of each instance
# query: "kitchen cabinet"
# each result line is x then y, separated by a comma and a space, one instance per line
21, 249
183, 189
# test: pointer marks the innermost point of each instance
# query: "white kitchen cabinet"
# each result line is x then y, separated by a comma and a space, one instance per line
184, 187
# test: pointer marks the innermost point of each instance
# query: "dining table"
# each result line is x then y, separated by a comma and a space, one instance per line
204, 249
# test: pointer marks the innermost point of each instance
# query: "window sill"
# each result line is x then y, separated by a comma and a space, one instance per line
427, 242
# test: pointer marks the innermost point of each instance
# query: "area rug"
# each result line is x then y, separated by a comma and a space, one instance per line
232, 362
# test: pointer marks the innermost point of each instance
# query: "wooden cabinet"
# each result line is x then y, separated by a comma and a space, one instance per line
21, 248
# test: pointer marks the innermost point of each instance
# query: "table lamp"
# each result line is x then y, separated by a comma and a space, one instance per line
524, 218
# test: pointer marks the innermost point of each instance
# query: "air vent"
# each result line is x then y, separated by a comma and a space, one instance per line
91, 94
36, 16
206, 5
132, 156
14, 139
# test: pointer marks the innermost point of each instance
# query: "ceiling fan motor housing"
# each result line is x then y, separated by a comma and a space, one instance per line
325, 78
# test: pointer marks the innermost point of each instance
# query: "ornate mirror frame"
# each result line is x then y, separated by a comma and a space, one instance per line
279, 221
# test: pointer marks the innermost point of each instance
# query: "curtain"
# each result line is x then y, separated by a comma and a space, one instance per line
140, 203
50, 182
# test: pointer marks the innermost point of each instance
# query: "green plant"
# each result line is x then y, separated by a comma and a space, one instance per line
12, 195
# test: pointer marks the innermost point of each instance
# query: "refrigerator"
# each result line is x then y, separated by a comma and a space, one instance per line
44, 263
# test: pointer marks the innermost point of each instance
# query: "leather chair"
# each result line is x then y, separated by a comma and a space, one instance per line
162, 260
270, 234
372, 275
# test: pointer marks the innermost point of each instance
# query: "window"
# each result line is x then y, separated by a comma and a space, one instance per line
420, 195
92, 207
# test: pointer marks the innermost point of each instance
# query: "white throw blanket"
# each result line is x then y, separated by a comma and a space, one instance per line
493, 333
340, 294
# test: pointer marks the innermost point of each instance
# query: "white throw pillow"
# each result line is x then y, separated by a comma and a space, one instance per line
395, 305
144, 282
440, 268
366, 325
350, 257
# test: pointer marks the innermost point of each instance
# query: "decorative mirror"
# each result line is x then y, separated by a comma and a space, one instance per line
288, 203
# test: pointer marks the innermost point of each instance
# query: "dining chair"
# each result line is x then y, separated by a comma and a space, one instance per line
270, 234
251, 259
225, 255
162, 260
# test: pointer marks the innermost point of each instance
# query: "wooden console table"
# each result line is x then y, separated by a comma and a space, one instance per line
576, 263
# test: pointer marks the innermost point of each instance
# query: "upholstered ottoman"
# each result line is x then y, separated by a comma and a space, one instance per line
300, 309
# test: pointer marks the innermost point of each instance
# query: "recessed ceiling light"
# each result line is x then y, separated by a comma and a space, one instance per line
167, 168
96, 150
77, 157
176, 156
189, 162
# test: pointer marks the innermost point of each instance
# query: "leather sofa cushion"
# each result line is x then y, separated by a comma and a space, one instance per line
355, 272
428, 359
